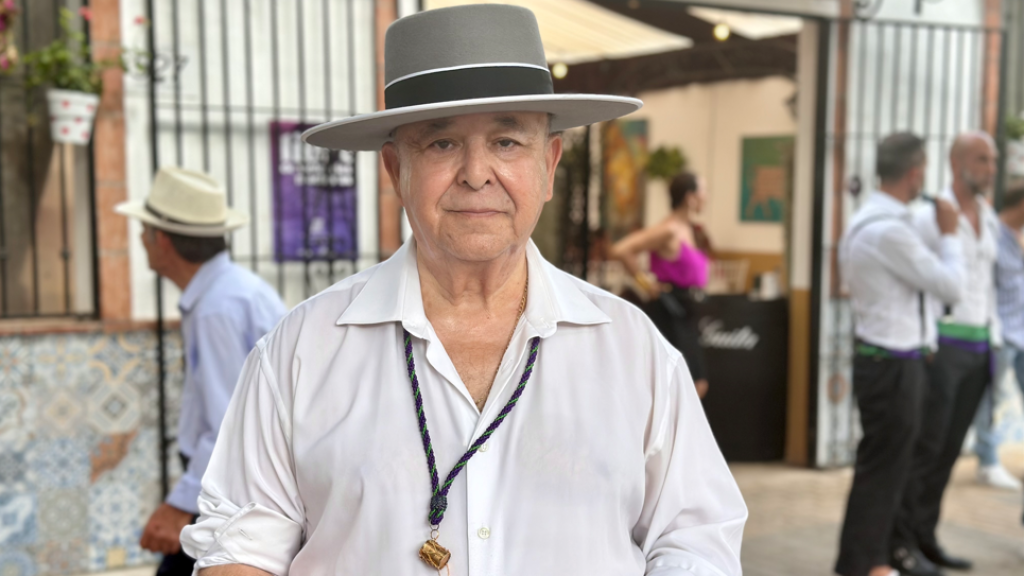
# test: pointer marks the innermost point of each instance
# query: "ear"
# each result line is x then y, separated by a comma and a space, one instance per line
393, 165
552, 155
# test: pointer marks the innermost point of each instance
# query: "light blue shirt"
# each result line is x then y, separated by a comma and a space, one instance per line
225, 310
1010, 286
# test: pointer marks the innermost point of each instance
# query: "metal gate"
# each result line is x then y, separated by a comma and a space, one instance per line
886, 77
228, 88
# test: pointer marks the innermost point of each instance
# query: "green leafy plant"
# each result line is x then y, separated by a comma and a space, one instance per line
65, 63
665, 163
1015, 128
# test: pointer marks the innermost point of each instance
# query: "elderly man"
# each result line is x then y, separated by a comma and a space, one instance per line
962, 367
889, 269
225, 309
465, 406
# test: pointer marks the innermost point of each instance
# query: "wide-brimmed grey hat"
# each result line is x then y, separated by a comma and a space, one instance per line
465, 60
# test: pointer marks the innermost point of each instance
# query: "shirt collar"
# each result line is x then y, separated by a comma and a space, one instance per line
392, 294
887, 202
200, 283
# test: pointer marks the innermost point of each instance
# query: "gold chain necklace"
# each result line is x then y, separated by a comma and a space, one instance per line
522, 308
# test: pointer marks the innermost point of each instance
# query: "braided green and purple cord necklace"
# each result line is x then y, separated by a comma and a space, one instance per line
433, 553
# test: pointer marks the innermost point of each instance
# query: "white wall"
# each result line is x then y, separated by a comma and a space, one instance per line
708, 122
247, 177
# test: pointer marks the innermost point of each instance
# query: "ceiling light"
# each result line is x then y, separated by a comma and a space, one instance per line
559, 71
722, 32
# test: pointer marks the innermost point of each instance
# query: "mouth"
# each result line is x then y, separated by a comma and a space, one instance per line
476, 213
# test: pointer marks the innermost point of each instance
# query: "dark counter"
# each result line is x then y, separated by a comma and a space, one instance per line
746, 346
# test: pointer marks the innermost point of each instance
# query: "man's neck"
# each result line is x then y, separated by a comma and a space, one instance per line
900, 193
451, 287
1014, 219
965, 197
183, 273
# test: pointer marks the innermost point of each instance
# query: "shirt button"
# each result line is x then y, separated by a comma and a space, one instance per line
484, 533
485, 447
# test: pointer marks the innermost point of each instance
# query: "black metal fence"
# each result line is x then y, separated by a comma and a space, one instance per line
899, 76
47, 239
228, 89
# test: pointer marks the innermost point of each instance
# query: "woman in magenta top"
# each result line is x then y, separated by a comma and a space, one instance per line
679, 262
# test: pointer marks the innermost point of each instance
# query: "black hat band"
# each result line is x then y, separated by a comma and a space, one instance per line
468, 84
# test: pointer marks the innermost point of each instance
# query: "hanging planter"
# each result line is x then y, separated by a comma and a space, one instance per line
71, 77
71, 115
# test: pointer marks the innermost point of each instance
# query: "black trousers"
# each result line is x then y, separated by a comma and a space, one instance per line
956, 381
890, 395
675, 316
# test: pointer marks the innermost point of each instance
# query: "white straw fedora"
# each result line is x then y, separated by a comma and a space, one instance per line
185, 202
465, 60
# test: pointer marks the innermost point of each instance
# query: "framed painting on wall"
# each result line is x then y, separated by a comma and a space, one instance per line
624, 147
766, 178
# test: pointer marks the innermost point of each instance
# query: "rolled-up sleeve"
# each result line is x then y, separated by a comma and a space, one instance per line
693, 514
250, 511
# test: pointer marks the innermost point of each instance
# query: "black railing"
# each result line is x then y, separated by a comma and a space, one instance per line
230, 84
37, 248
900, 76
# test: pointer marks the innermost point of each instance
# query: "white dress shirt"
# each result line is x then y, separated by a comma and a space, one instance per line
886, 266
607, 465
978, 305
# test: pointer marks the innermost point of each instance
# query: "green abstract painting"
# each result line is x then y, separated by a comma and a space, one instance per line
766, 178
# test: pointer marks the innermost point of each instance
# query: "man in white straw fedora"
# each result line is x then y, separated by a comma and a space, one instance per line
225, 309
465, 407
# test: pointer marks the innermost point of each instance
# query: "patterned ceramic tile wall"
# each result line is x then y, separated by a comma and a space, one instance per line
79, 449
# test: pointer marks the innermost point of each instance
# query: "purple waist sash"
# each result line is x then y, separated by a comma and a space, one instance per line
981, 347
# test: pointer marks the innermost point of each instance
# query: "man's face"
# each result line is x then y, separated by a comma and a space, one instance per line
154, 251
976, 165
473, 186
917, 177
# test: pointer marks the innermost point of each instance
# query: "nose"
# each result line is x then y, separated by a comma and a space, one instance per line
476, 172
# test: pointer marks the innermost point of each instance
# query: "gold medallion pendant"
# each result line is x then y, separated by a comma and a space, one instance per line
434, 554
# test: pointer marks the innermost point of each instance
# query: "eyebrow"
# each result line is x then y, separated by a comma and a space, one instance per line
510, 122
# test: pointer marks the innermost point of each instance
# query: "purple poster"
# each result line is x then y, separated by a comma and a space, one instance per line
314, 197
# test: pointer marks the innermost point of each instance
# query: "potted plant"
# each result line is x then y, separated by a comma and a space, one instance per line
72, 78
665, 163
1015, 146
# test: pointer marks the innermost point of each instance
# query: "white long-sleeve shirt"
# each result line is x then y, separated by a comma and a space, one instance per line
978, 305
606, 466
887, 265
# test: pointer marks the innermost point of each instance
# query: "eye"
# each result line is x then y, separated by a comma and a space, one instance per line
442, 144
507, 143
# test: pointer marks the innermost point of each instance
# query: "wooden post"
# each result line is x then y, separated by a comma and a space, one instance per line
993, 55
390, 208
111, 186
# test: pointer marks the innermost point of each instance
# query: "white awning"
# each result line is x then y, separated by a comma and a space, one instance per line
577, 31
748, 24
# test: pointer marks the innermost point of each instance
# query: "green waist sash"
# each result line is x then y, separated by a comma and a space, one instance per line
964, 332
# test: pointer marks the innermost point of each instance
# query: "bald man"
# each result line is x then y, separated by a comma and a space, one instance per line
967, 334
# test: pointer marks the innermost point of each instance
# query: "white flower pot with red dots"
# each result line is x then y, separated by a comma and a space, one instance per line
71, 115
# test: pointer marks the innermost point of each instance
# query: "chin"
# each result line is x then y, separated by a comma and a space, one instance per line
479, 247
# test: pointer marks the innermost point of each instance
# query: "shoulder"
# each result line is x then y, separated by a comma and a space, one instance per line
239, 291
625, 325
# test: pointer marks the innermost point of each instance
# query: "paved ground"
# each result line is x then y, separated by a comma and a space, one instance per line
795, 515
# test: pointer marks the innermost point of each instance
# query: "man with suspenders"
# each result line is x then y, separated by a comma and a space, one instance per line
889, 269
